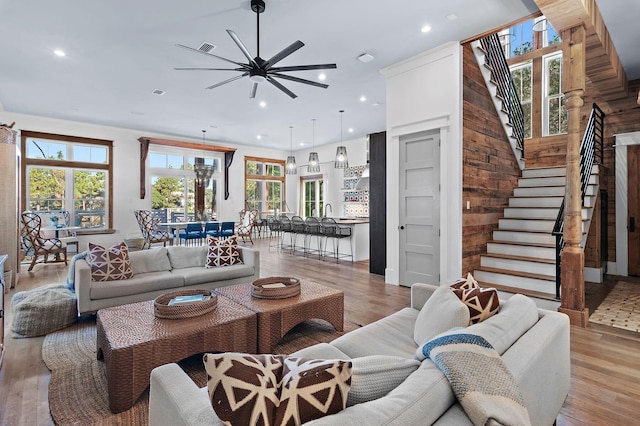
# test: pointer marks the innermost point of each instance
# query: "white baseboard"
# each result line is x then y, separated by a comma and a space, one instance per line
612, 268
594, 275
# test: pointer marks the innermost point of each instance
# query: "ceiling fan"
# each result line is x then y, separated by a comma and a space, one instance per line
259, 70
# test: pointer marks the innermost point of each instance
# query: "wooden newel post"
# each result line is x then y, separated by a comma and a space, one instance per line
572, 300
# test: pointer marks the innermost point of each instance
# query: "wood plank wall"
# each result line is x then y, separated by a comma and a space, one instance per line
490, 171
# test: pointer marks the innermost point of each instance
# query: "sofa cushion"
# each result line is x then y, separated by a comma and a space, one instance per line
374, 376
152, 260
187, 257
110, 263
442, 311
391, 335
312, 389
200, 275
222, 253
143, 283
321, 351
244, 389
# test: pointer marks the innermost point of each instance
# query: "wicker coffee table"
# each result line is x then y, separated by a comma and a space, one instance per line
132, 342
277, 316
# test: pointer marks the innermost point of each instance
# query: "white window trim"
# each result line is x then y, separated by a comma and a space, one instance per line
545, 96
517, 67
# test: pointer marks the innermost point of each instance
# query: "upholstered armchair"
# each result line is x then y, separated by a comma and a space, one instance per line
149, 227
33, 243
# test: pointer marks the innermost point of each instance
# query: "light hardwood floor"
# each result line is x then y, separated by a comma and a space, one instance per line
605, 387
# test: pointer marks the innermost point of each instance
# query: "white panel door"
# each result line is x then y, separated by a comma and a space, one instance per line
419, 208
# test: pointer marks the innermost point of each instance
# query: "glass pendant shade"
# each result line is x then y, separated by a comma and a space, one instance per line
203, 171
290, 166
342, 161
314, 160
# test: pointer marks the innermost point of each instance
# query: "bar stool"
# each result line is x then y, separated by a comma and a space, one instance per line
285, 227
297, 228
313, 229
330, 229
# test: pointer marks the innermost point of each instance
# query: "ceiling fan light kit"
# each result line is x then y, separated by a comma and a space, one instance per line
314, 160
257, 69
290, 166
342, 161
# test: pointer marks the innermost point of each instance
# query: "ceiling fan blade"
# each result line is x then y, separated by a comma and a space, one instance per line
299, 80
281, 87
227, 81
244, 66
284, 53
242, 47
209, 69
254, 88
305, 67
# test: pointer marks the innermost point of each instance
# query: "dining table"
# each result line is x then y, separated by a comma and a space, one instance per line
57, 229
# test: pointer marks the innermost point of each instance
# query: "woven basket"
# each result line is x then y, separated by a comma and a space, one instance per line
292, 288
161, 309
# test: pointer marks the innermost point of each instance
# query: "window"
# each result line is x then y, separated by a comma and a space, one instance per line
312, 195
264, 184
68, 173
554, 114
173, 195
521, 74
528, 36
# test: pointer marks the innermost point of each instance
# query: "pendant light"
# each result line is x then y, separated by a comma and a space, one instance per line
314, 161
203, 171
342, 161
291, 168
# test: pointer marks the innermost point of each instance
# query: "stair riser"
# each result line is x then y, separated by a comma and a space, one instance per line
528, 251
544, 172
548, 191
518, 265
550, 181
526, 225
524, 237
532, 284
536, 202
524, 213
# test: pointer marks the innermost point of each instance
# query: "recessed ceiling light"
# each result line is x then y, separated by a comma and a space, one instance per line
363, 98
425, 29
322, 77
452, 16
259, 137
263, 104
350, 129
301, 143
366, 57
59, 52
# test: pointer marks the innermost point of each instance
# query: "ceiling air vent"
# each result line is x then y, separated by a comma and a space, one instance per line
206, 47
158, 92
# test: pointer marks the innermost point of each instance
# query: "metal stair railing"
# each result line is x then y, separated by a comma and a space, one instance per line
506, 89
591, 152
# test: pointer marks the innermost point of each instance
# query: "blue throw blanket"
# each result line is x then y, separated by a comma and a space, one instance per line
486, 389
71, 275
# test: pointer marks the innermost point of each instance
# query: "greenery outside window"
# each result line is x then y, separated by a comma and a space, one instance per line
521, 74
264, 184
312, 196
68, 173
554, 114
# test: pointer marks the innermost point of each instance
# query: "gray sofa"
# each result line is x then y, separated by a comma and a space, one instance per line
162, 270
533, 343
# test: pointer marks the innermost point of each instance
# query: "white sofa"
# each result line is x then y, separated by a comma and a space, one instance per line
534, 344
162, 270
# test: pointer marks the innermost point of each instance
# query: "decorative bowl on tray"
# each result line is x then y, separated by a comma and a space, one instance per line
185, 304
275, 287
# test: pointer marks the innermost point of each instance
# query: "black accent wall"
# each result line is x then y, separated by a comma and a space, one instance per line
378, 203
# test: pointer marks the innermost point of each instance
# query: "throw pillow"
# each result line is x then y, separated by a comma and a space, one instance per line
374, 376
483, 303
109, 264
466, 284
222, 253
312, 389
442, 311
243, 388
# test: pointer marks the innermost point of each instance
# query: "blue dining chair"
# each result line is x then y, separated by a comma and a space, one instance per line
193, 231
227, 229
212, 228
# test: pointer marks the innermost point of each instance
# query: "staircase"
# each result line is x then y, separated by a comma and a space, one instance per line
521, 257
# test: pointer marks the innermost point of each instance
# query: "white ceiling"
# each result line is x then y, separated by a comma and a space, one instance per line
118, 52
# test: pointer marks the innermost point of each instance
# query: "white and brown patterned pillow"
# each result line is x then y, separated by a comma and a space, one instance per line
109, 264
244, 389
269, 390
312, 389
222, 253
482, 303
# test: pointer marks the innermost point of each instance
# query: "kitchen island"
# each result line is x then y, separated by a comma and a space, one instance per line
359, 238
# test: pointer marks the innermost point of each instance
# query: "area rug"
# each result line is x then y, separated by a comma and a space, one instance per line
621, 308
78, 386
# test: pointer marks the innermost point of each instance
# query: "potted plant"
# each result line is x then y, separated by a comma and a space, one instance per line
54, 220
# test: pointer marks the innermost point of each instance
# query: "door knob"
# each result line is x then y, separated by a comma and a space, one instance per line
401, 227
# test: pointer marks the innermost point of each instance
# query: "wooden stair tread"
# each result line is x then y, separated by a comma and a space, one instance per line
524, 231
523, 258
515, 243
526, 292
518, 273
